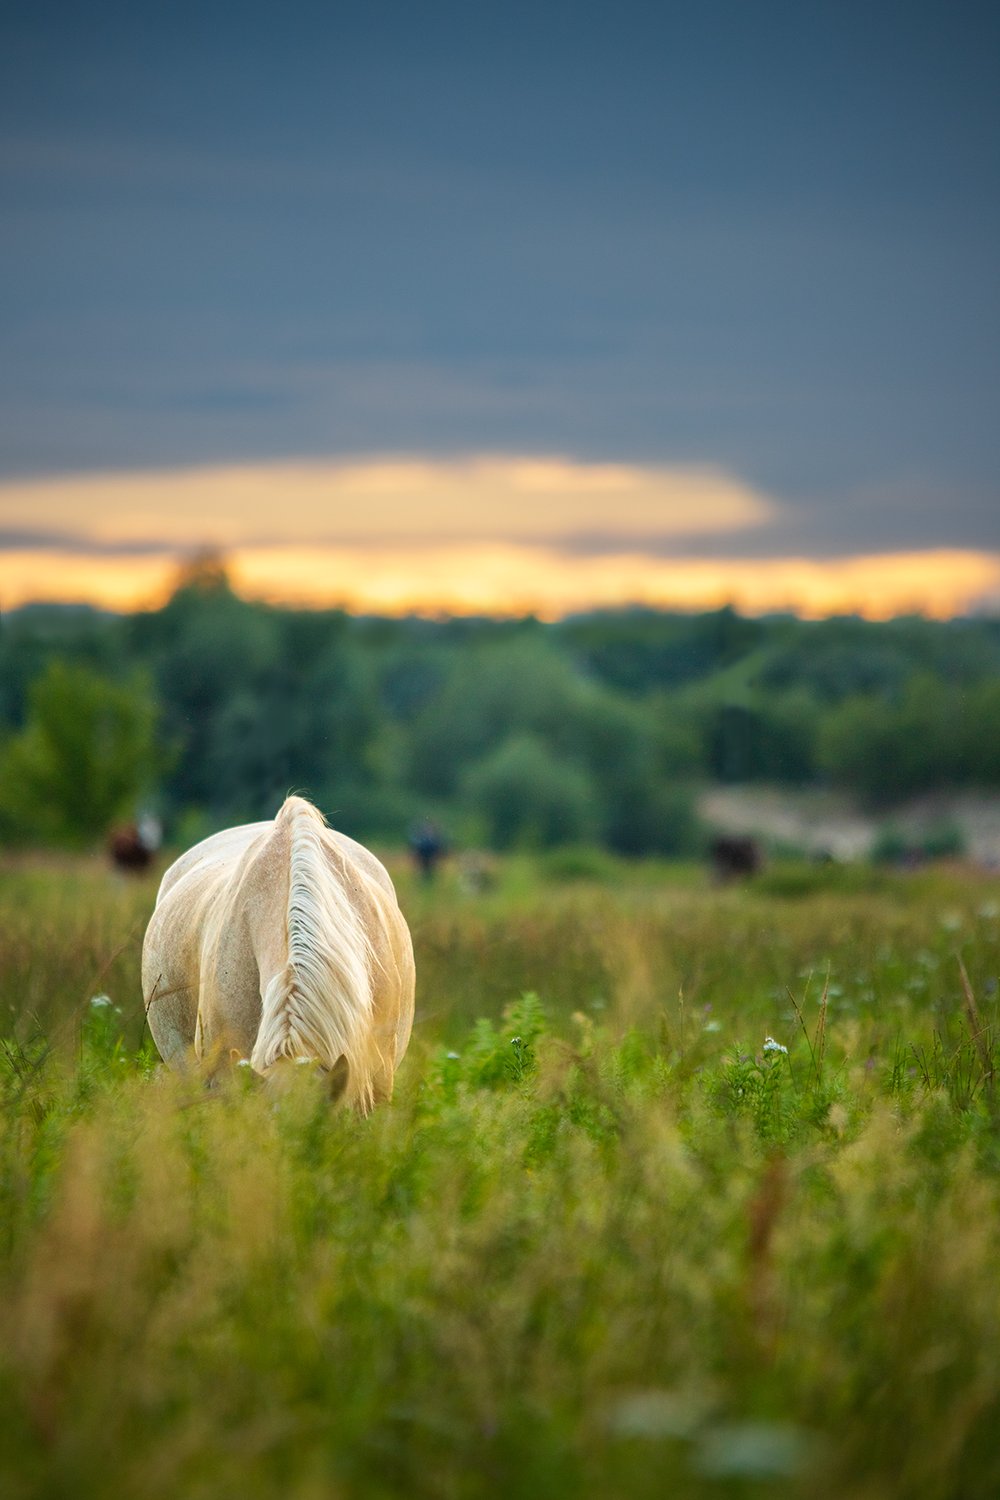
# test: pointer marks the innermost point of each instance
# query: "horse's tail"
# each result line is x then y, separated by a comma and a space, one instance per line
320, 1005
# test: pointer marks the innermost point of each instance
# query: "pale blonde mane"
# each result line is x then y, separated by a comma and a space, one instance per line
321, 1004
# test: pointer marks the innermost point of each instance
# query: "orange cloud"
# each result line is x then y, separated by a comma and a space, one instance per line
411, 499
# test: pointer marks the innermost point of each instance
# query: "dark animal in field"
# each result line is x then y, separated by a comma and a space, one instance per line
278, 943
735, 857
131, 846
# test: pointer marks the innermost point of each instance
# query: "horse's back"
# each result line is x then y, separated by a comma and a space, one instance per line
215, 852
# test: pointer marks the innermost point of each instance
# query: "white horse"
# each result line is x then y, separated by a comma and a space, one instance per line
280, 941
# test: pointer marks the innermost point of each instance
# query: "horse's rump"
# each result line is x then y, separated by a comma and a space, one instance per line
290, 938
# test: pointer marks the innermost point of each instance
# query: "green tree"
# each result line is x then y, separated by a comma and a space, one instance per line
310, 726
206, 647
638, 650
33, 636
760, 740
886, 751
87, 750
505, 687
638, 770
981, 736
528, 797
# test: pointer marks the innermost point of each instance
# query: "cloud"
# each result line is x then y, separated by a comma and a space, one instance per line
26, 539
479, 534
373, 501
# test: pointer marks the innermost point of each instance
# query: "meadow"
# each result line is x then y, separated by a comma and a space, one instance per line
684, 1191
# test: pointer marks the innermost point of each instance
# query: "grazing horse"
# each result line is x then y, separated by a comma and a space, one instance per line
278, 942
735, 857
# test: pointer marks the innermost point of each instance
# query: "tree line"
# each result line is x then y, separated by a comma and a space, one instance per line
595, 729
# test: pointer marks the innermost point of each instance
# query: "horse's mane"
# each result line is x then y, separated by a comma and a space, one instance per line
320, 1005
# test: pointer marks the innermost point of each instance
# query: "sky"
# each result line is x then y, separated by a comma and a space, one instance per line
502, 307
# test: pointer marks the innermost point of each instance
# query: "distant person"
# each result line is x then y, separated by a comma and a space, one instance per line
428, 845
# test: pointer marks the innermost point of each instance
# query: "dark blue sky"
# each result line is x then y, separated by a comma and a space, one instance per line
763, 237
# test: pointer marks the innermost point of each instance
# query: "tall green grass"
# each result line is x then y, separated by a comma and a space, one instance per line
603, 1242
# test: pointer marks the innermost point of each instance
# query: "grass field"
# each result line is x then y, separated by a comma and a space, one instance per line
603, 1243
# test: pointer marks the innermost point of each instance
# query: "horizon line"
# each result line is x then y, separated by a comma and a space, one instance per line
518, 582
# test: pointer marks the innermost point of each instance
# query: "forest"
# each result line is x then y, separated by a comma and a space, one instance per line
597, 729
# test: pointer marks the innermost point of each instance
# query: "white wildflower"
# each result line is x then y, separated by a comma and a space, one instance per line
659, 1414
770, 1045
99, 1002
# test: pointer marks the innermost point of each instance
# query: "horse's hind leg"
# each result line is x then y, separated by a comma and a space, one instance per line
171, 1012
337, 1079
170, 994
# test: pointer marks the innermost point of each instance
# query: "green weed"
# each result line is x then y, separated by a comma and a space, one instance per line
610, 1238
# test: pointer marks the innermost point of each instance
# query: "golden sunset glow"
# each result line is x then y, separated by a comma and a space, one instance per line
504, 579
477, 535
